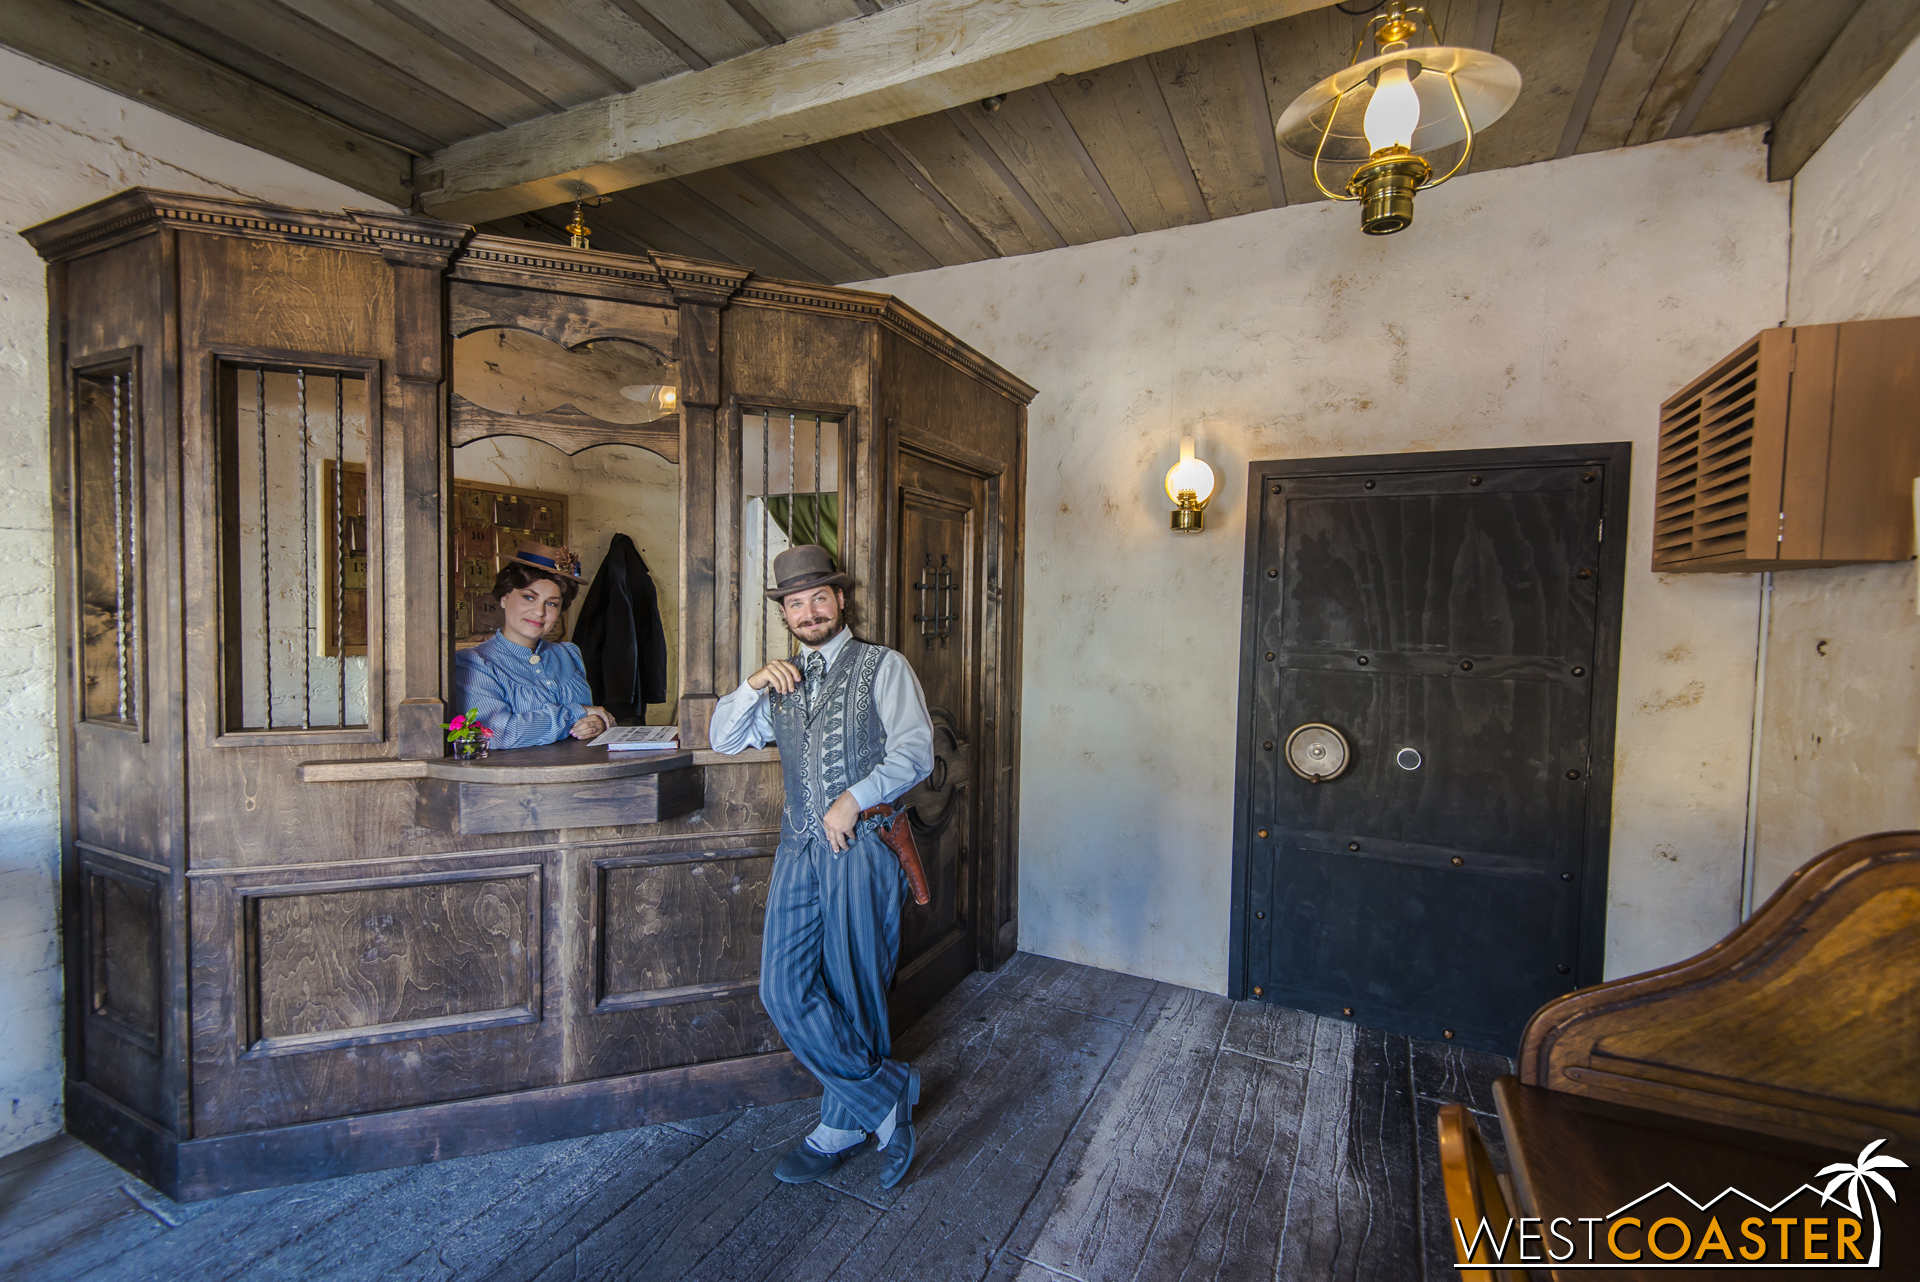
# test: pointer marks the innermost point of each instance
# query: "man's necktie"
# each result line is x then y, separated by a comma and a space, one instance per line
816, 676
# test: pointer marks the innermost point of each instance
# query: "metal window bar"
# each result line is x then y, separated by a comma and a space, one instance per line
759, 634
266, 550
306, 561
339, 584
119, 556
130, 542
766, 569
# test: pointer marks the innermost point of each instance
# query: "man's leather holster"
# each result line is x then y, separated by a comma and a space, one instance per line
896, 832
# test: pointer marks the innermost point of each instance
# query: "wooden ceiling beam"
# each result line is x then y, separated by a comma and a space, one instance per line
116, 54
1870, 43
897, 64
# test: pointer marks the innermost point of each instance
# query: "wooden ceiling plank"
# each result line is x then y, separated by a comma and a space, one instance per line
800, 270
1485, 26
251, 42
916, 173
748, 201
1552, 42
758, 21
1635, 65
864, 270
810, 183
1207, 98
712, 27
664, 34
1775, 58
1295, 55
953, 163
797, 17
1023, 135
490, 29
111, 52
1723, 54
1606, 47
1254, 85
648, 230
1044, 95
381, 70
991, 158
606, 33
905, 61
1119, 120
381, 33
1871, 42
675, 205
610, 79
468, 54
868, 170
1176, 150
1705, 26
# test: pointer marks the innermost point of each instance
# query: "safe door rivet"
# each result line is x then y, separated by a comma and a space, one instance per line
1273, 574
1260, 916
1257, 990
1466, 665
1268, 745
1362, 660
1263, 832
1586, 478
1447, 1033
1347, 1011
1578, 672
1573, 774
1458, 862
1276, 489
1353, 845
1369, 485
1585, 574
1270, 659
1566, 876
1473, 480
1563, 969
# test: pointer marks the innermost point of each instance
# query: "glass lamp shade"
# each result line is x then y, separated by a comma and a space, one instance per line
1488, 85
667, 399
1189, 475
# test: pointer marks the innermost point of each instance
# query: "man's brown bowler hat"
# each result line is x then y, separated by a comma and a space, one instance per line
803, 568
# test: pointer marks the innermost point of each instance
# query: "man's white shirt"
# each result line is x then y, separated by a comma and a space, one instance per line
743, 719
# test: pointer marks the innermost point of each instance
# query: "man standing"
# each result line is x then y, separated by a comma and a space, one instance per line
853, 731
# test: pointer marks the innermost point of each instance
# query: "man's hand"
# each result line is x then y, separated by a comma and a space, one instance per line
593, 722
779, 674
839, 820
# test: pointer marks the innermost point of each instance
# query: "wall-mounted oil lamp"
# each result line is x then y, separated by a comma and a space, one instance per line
1189, 486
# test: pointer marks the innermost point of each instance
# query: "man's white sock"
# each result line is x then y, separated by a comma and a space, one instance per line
827, 1139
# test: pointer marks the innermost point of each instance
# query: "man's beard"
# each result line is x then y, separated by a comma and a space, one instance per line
838, 621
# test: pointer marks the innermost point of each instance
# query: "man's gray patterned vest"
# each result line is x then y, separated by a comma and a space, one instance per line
825, 751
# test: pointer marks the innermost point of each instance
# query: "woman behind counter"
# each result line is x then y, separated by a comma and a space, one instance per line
527, 690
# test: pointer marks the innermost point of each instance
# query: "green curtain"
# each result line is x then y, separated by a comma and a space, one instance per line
808, 518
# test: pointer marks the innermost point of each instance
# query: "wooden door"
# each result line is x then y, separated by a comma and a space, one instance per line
1454, 618
944, 627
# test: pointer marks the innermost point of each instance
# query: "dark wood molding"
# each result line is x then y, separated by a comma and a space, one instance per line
407, 241
139, 211
566, 429
697, 281
569, 761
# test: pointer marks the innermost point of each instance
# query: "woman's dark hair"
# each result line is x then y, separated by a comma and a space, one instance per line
513, 576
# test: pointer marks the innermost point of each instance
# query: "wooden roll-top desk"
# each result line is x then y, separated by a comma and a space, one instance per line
300, 940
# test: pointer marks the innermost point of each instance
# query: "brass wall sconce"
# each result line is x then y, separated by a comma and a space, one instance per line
1385, 110
1189, 486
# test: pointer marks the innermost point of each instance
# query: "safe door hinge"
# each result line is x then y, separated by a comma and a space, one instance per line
1601, 537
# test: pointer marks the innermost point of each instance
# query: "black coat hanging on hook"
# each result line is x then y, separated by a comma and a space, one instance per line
620, 636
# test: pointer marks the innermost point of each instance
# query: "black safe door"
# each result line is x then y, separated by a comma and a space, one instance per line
1454, 617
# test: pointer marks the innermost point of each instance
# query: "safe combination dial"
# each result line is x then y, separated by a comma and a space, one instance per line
1317, 752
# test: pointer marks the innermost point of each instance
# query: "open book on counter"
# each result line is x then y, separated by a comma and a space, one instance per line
638, 739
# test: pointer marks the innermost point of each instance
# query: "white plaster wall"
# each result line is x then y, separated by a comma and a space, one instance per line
1554, 303
1841, 721
63, 144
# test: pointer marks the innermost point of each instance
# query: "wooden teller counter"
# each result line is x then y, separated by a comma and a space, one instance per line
291, 449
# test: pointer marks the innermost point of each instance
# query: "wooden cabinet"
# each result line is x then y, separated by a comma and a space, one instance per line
1799, 449
299, 943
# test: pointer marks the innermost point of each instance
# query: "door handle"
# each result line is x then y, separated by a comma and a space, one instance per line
1317, 752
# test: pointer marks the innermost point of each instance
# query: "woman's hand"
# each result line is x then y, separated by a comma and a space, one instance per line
779, 674
593, 722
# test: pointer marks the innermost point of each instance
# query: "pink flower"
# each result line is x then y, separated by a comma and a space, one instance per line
458, 723
485, 733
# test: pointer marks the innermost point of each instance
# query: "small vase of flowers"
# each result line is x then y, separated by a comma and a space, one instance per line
468, 736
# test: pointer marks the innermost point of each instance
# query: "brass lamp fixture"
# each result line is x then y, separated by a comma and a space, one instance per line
578, 228
1383, 111
1189, 486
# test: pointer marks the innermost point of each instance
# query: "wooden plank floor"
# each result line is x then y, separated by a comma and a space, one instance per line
1075, 1124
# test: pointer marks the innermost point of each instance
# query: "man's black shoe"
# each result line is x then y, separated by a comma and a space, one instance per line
806, 1163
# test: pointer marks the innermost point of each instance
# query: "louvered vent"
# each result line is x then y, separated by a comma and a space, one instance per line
1706, 464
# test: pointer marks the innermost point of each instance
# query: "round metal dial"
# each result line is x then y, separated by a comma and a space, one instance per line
1317, 751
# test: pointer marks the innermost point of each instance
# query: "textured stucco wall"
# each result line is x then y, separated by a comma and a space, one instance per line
63, 144
1841, 722
1554, 303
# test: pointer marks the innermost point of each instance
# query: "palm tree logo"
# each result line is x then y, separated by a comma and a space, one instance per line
1855, 1176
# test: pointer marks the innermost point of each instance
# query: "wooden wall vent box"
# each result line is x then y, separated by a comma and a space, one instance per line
1798, 450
